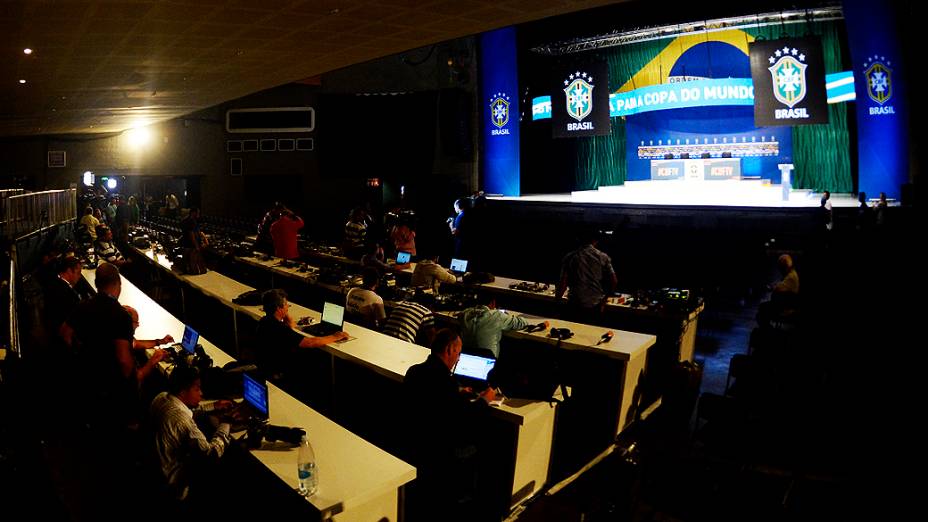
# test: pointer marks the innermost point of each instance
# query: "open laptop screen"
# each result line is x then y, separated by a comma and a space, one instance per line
459, 265
255, 394
189, 342
474, 366
333, 314
403, 257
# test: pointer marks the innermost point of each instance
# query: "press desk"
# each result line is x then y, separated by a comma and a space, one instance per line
532, 422
359, 481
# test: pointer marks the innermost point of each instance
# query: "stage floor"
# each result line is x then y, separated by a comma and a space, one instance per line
722, 193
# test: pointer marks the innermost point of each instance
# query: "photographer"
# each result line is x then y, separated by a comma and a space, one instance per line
284, 233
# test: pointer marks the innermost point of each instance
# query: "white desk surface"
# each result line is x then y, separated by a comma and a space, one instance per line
624, 345
381, 353
352, 470
613, 303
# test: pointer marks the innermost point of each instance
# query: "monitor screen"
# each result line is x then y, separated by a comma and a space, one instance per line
403, 257
459, 265
333, 314
474, 367
189, 342
255, 394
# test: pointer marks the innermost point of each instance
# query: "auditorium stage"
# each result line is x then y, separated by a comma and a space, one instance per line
749, 208
688, 193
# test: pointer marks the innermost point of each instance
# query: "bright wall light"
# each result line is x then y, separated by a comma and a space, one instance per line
88, 178
111, 183
138, 137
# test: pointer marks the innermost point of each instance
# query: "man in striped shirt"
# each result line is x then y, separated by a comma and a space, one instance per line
355, 233
179, 443
407, 319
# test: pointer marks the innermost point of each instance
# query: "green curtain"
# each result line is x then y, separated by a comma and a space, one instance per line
601, 159
820, 152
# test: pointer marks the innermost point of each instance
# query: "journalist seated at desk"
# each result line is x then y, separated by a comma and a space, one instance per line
279, 341
364, 303
429, 273
180, 445
442, 444
482, 327
105, 249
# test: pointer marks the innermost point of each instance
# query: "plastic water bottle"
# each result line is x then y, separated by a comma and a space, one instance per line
307, 471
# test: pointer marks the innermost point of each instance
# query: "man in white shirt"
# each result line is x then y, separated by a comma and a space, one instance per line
364, 301
179, 443
430, 274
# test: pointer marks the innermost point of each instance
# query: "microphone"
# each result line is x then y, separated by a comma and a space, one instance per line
605, 338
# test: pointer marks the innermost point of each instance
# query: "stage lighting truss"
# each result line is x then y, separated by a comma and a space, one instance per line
617, 38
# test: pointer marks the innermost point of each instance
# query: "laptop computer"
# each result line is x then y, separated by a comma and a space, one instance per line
473, 370
189, 341
458, 266
403, 257
255, 408
333, 319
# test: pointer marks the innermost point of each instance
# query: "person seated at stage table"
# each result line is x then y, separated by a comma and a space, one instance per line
482, 327
588, 273
364, 302
443, 444
181, 446
430, 274
409, 322
278, 340
284, 233
105, 249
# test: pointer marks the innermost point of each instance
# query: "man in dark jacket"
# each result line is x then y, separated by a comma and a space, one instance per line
442, 422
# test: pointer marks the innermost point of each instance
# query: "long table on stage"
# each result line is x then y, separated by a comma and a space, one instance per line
359, 480
365, 373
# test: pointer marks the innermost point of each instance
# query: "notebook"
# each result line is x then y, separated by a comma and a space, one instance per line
333, 319
473, 370
459, 266
403, 257
255, 407
189, 341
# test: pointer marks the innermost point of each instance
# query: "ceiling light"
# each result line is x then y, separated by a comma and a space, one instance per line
22, 81
138, 136
27, 51
88, 178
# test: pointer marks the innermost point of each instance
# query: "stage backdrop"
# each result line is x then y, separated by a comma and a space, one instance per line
820, 152
706, 129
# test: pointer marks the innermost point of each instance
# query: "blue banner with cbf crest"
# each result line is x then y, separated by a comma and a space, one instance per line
499, 112
882, 140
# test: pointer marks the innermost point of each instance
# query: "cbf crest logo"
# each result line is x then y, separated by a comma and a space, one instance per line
499, 113
788, 71
879, 79
578, 88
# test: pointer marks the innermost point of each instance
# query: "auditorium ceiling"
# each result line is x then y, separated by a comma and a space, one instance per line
101, 66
